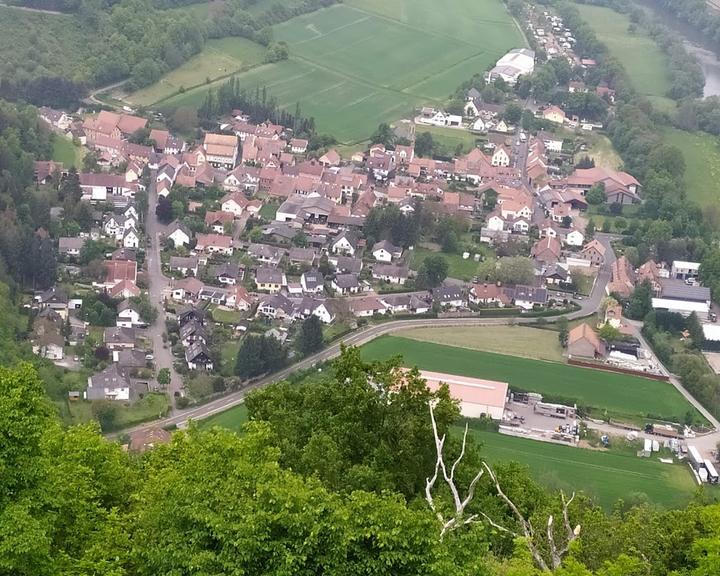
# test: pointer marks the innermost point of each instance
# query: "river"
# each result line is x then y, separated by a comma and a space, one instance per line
695, 45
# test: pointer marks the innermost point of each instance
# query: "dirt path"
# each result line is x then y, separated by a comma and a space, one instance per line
28, 9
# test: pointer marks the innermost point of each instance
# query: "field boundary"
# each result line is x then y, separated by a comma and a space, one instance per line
607, 368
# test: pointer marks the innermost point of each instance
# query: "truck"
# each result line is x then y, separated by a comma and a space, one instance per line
664, 430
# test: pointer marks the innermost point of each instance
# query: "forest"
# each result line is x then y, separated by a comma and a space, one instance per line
54, 59
336, 475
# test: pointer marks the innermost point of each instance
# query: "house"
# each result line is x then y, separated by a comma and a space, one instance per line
186, 290
147, 438
102, 187
239, 298
584, 343
622, 279
184, 266
197, 357
312, 282
302, 256
500, 157
123, 289
546, 250
487, 294
111, 384
45, 170
131, 239
448, 295
556, 274
366, 306
55, 118
229, 273
392, 273
70, 246
112, 125
347, 264
344, 284
47, 335
330, 158
407, 303
178, 233
346, 244
119, 270
554, 114
477, 397
221, 150
234, 203
320, 308
128, 315
213, 294
683, 270
276, 306
190, 314
574, 238
270, 279
54, 299
266, 254
193, 331
594, 251
219, 221
214, 244
385, 251
129, 361
298, 145
528, 297
119, 338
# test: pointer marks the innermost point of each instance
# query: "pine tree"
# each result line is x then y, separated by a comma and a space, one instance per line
310, 337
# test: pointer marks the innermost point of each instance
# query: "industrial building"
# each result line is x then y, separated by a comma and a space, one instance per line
477, 397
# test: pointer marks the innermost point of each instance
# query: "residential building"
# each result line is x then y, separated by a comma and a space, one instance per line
385, 251
529, 297
583, 342
197, 357
312, 282
546, 250
214, 244
111, 384
678, 296
184, 265
221, 150
128, 315
595, 252
392, 273
270, 279
344, 284
178, 233
346, 244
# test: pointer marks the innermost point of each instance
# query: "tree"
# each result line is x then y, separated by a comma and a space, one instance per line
184, 119
609, 333
640, 303
513, 113
514, 270
310, 337
249, 359
383, 135
164, 210
424, 144
697, 335
596, 194
163, 377
563, 331
432, 272
590, 229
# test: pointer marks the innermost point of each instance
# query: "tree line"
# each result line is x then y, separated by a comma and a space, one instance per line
329, 476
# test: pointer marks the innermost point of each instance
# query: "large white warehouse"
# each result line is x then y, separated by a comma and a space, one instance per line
518, 62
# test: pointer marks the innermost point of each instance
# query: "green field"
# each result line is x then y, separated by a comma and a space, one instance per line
66, 152
606, 476
620, 395
218, 59
644, 62
457, 267
702, 164
357, 64
447, 140
515, 340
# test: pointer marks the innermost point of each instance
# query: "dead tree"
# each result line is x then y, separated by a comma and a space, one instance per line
556, 550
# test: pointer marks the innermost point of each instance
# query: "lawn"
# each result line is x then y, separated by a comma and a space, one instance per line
607, 476
515, 340
644, 62
457, 267
232, 419
354, 65
218, 59
268, 210
228, 357
702, 161
620, 395
601, 151
151, 407
447, 140
65, 151
226, 316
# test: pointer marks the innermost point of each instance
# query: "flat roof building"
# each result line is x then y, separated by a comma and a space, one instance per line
477, 397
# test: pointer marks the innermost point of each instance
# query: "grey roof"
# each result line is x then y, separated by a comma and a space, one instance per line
196, 351
66, 244
119, 335
53, 295
346, 281
193, 328
127, 305
279, 302
110, 378
265, 251
265, 275
131, 359
348, 264
178, 262
306, 255
530, 294
228, 270
313, 278
678, 290
395, 270
387, 246
446, 293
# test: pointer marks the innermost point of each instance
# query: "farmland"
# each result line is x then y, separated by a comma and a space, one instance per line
357, 64
218, 59
640, 56
618, 395
522, 341
606, 476
702, 164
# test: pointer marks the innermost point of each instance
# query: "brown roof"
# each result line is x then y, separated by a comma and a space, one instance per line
143, 440
597, 245
584, 332
118, 270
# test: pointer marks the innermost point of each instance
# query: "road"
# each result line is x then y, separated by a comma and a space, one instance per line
158, 283
28, 9
92, 96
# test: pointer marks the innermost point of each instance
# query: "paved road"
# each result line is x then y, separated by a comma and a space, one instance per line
158, 283
92, 96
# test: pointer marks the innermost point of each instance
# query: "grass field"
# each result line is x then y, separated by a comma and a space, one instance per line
66, 152
702, 160
644, 62
447, 140
515, 340
360, 63
457, 267
620, 395
602, 151
606, 476
219, 58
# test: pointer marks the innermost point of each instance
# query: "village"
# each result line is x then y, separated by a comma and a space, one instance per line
182, 248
